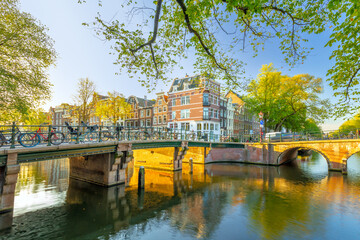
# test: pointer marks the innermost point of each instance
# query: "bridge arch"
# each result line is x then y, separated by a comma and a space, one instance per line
290, 154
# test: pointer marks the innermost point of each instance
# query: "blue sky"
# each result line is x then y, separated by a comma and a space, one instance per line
81, 54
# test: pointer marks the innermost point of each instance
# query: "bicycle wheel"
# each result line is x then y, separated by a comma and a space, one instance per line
92, 137
57, 138
106, 136
29, 139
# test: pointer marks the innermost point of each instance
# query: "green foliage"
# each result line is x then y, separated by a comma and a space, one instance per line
351, 125
25, 54
286, 101
113, 108
218, 30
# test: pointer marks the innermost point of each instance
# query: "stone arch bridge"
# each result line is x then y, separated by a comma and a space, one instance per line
336, 152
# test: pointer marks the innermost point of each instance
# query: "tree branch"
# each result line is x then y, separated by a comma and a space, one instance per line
192, 30
349, 83
156, 25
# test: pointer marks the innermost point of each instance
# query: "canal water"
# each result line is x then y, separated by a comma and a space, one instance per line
217, 201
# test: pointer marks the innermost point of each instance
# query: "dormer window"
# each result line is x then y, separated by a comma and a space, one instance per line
174, 88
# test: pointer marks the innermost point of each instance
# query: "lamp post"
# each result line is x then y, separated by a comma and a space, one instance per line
261, 115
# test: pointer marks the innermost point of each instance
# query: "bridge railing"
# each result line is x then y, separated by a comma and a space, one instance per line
315, 136
33, 135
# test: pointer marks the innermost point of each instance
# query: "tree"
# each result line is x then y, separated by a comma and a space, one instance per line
26, 51
286, 101
113, 108
218, 29
83, 100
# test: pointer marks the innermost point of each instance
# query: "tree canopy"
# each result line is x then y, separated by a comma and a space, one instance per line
286, 101
26, 51
218, 29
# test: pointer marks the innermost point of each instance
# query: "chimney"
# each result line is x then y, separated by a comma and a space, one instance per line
145, 100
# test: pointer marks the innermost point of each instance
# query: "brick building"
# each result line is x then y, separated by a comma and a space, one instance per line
142, 112
194, 106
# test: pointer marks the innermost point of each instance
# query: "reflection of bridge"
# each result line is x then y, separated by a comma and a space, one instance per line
102, 163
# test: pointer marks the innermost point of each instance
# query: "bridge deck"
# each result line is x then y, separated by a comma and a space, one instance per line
44, 152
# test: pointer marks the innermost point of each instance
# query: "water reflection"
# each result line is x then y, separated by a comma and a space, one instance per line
218, 201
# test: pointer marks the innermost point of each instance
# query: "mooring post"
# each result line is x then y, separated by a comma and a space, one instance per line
141, 180
191, 165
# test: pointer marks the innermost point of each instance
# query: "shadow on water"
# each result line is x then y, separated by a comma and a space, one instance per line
217, 201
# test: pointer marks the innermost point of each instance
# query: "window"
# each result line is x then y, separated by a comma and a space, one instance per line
206, 113
215, 113
159, 102
185, 100
164, 117
199, 126
211, 112
142, 113
185, 113
160, 109
173, 115
211, 126
148, 122
141, 123
155, 118
206, 126
174, 88
173, 102
148, 112
187, 126
171, 125
155, 110
160, 119
164, 109
206, 98
216, 127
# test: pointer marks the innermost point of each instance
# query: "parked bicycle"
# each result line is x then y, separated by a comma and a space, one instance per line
31, 139
90, 135
6, 135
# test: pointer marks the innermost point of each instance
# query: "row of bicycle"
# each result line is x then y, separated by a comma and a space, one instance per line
85, 133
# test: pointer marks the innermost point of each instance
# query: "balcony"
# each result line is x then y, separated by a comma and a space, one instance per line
206, 103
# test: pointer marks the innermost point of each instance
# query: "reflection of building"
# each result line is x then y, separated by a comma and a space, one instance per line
160, 110
142, 112
194, 106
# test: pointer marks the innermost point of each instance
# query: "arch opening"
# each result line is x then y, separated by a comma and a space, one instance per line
314, 163
353, 165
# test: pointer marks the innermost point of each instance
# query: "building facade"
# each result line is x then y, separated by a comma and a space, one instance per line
194, 106
160, 111
141, 114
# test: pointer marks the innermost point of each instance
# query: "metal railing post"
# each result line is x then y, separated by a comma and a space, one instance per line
49, 135
118, 131
100, 129
77, 135
13, 135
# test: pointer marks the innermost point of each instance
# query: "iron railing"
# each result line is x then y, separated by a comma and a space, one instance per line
12, 136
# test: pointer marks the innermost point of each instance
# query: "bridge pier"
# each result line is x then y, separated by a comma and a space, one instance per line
106, 169
8, 179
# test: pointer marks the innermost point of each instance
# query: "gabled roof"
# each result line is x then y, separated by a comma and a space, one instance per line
191, 82
141, 101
